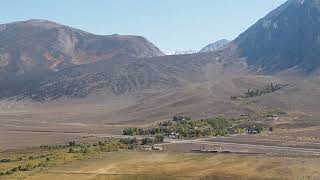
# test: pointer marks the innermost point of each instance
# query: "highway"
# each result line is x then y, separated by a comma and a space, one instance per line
247, 147
234, 143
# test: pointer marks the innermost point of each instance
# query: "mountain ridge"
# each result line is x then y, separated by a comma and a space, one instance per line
128, 76
32, 44
286, 38
215, 46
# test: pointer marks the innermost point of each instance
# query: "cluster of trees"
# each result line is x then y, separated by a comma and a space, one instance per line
141, 132
115, 145
252, 128
106, 146
134, 131
134, 142
270, 88
186, 128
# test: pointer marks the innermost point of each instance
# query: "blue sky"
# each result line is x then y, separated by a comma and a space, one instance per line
169, 24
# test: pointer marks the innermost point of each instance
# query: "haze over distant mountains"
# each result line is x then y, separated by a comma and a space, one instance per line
42, 60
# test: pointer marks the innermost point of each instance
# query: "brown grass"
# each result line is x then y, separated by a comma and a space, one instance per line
148, 165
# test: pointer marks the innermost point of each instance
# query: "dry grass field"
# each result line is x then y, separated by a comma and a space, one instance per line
158, 165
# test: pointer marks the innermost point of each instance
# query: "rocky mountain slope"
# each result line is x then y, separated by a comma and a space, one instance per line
215, 46
40, 45
72, 63
182, 52
287, 38
31, 50
128, 75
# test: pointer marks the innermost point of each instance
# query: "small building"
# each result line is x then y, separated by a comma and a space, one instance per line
157, 148
174, 135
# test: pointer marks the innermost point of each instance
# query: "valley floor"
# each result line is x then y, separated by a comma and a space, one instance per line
164, 165
26, 124
291, 151
247, 157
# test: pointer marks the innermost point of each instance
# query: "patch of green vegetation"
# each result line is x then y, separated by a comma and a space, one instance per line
47, 156
185, 128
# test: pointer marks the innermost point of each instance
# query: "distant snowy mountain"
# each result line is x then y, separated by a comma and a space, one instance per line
181, 52
215, 46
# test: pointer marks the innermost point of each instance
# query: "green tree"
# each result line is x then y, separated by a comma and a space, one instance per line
71, 150
147, 141
159, 139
